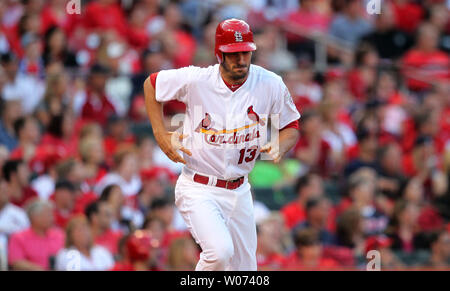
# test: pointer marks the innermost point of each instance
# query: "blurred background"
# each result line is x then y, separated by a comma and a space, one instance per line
83, 185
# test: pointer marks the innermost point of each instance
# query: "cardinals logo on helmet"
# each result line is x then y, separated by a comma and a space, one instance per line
238, 36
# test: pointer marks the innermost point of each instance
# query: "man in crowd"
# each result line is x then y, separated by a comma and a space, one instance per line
100, 217
34, 248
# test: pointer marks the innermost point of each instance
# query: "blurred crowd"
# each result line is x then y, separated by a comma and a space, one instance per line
84, 186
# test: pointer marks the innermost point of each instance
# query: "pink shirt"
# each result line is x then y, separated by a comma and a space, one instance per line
28, 245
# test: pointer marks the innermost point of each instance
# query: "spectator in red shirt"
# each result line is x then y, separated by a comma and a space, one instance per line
118, 134
64, 202
16, 174
154, 180
100, 217
362, 77
60, 135
27, 132
137, 33
425, 64
307, 187
403, 227
33, 248
179, 44
55, 14
72, 170
97, 107
308, 253
92, 155
309, 18
425, 164
311, 148
103, 15
350, 231
429, 218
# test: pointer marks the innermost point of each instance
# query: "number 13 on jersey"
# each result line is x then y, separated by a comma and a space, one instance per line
251, 154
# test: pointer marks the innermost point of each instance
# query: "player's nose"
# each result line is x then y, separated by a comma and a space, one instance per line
241, 58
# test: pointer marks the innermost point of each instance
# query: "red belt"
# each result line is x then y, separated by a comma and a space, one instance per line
228, 184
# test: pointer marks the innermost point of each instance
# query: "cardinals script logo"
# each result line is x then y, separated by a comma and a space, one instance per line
235, 136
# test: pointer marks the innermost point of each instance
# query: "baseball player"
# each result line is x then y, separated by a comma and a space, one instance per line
227, 109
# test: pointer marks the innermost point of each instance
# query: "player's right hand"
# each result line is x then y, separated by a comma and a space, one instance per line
170, 142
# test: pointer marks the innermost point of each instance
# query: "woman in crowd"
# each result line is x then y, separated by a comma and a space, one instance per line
80, 253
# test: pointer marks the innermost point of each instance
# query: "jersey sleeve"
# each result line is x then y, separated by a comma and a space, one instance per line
173, 85
284, 107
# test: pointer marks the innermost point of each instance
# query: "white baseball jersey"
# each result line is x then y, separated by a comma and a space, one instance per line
226, 129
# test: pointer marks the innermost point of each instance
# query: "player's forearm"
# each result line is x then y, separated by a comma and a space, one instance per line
287, 139
154, 109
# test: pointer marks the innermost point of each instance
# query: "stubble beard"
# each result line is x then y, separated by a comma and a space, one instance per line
233, 75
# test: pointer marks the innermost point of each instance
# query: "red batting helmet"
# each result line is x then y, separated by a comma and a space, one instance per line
233, 35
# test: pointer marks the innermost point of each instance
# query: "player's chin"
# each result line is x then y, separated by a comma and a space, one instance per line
240, 73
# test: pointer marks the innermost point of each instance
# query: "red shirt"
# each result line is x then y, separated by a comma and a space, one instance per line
28, 245
83, 200
64, 148
429, 219
101, 172
97, 108
185, 49
27, 194
408, 16
99, 16
110, 144
309, 20
322, 163
123, 266
109, 239
66, 21
293, 214
61, 218
271, 262
434, 64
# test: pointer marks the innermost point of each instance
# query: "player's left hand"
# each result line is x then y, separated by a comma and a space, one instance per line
273, 150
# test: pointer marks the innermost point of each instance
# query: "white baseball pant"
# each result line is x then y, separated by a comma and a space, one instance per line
221, 222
